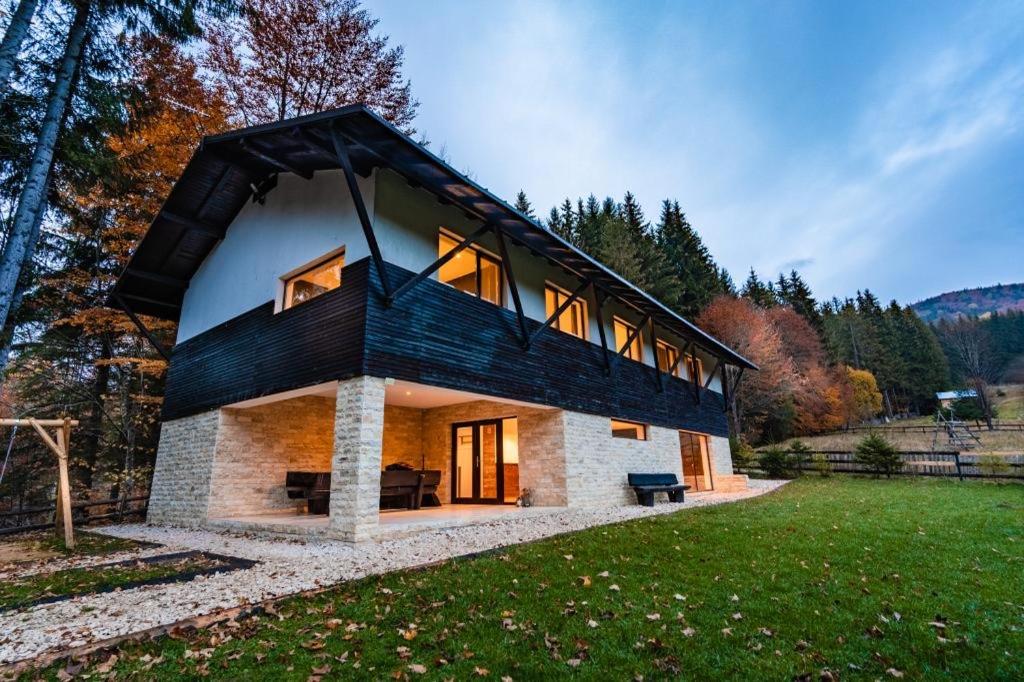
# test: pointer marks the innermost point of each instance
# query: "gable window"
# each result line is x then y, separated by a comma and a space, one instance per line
573, 319
630, 430
472, 271
623, 330
312, 280
667, 358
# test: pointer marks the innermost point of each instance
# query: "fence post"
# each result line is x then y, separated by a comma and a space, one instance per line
956, 458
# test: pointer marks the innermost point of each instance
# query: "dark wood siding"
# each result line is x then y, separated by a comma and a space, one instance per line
434, 335
442, 337
259, 353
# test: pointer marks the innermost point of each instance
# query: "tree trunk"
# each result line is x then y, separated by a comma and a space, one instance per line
986, 405
15, 36
94, 425
32, 196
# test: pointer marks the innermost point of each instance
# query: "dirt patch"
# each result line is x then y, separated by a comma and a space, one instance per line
20, 551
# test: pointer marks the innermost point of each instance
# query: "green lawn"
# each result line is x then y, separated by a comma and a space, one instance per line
865, 578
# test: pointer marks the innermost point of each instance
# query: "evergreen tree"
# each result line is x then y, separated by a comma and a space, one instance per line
698, 277
760, 293
524, 206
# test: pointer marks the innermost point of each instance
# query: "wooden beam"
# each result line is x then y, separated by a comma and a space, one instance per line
192, 225
142, 327
558, 311
517, 303
253, 150
601, 332
711, 374
50, 443
64, 484
364, 217
438, 264
631, 338
654, 347
157, 277
680, 354
40, 422
144, 299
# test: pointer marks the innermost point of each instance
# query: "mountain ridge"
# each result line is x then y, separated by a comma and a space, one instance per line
980, 301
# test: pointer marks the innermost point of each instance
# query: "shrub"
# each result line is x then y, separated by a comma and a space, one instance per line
799, 455
993, 465
743, 456
878, 455
821, 464
774, 462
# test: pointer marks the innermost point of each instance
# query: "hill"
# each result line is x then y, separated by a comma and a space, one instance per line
981, 301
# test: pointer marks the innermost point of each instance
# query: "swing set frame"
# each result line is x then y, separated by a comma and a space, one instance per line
60, 444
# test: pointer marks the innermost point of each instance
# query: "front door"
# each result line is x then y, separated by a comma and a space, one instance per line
696, 468
477, 462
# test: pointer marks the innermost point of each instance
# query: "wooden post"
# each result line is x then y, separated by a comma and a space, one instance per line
59, 448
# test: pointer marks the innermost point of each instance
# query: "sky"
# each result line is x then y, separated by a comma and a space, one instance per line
871, 145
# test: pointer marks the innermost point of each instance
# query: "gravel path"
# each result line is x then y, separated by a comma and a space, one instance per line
285, 568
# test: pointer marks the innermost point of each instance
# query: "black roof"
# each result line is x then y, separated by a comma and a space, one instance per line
226, 170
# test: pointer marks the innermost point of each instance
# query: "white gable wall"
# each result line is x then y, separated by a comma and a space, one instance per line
300, 221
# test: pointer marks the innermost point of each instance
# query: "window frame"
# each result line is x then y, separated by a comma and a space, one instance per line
639, 340
481, 254
642, 429
580, 300
670, 357
694, 363
281, 302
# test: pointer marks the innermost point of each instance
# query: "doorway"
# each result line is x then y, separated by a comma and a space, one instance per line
480, 474
693, 448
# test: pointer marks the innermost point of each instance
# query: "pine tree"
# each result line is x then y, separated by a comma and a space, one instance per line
698, 277
762, 294
524, 206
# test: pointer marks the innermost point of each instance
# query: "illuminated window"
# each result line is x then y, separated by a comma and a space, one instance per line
471, 270
696, 464
319, 278
631, 430
573, 319
623, 330
668, 355
695, 369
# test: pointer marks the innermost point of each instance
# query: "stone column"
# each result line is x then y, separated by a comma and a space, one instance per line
355, 464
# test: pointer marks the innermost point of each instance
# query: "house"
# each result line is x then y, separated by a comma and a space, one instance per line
947, 398
347, 301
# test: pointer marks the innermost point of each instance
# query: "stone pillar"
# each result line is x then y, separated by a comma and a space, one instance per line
180, 492
355, 465
725, 481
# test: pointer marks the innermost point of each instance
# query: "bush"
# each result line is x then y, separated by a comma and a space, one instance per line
743, 456
799, 455
821, 464
993, 465
878, 455
774, 462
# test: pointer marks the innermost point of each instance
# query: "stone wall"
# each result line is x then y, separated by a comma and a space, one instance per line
597, 463
258, 445
180, 491
403, 436
356, 462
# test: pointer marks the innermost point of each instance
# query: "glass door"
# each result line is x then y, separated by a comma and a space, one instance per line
477, 468
696, 467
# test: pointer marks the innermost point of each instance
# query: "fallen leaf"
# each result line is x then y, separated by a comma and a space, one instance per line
737, 616
893, 672
727, 632
689, 632
613, 587
585, 580
417, 668
574, 662
592, 623
653, 616
679, 597
568, 557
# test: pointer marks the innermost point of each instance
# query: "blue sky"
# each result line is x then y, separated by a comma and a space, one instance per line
868, 144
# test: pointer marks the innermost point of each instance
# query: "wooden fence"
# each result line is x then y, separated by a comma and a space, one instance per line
117, 509
916, 463
928, 428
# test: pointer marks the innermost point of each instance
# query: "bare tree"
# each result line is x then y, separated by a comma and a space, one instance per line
969, 341
286, 58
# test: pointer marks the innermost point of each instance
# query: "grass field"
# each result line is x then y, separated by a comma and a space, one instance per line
864, 578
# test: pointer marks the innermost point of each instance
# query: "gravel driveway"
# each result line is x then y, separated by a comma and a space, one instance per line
286, 567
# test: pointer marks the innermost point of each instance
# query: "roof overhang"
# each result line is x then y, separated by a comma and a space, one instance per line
228, 170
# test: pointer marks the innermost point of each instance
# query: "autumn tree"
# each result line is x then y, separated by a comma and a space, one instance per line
287, 58
865, 398
970, 345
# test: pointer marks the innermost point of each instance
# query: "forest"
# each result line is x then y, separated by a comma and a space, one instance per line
103, 104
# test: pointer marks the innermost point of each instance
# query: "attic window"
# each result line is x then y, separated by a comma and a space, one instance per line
313, 280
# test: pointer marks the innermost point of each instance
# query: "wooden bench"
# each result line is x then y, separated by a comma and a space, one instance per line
645, 485
312, 486
409, 487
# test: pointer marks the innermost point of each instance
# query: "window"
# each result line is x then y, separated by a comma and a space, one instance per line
312, 280
472, 271
695, 369
667, 358
631, 430
573, 319
623, 330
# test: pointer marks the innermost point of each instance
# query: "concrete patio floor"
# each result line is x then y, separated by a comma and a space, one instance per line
394, 523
